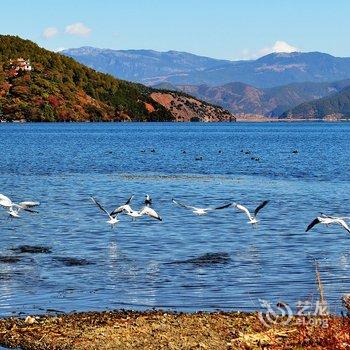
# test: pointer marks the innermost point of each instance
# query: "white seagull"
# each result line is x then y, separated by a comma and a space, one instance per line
252, 218
5, 201
113, 219
151, 213
144, 211
135, 214
200, 211
16, 208
329, 220
123, 208
13, 209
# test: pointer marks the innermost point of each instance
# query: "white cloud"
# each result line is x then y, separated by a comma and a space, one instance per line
50, 32
78, 29
279, 46
59, 49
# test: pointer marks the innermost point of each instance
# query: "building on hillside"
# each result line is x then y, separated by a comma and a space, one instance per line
20, 64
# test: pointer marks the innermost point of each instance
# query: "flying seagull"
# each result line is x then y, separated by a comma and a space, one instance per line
146, 210
5, 201
13, 209
329, 220
200, 211
151, 213
135, 214
252, 218
113, 219
123, 208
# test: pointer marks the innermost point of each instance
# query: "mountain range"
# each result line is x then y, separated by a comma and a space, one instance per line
40, 85
276, 85
152, 67
143, 66
240, 98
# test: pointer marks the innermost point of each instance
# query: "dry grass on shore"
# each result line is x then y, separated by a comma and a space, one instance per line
159, 330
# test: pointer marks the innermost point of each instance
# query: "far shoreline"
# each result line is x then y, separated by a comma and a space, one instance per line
238, 120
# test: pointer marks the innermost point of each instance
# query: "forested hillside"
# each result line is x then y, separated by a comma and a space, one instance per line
40, 85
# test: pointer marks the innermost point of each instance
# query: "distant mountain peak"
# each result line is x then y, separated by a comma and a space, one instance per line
283, 54
287, 54
276, 56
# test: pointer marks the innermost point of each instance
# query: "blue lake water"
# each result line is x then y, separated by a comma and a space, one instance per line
62, 165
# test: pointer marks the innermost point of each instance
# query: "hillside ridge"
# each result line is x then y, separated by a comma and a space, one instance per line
57, 88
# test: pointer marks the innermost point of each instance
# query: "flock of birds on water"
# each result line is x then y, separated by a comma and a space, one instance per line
244, 151
14, 209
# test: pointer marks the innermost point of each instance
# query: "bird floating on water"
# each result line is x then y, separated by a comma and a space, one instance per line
329, 220
200, 211
148, 200
252, 218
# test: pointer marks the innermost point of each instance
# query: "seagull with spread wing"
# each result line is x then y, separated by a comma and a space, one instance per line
125, 208
113, 218
13, 209
200, 211
145, 211
329, 220
252, 218
151, 213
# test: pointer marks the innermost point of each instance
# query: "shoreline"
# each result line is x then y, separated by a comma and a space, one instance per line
239, 119
158, 329
256, 119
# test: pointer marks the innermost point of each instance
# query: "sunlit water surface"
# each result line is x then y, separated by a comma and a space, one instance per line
132, 266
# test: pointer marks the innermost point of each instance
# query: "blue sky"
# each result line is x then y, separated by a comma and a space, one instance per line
230, 29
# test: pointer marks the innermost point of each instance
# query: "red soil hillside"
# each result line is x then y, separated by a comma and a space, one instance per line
186, 108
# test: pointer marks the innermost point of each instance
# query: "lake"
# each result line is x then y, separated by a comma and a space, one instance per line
144, 264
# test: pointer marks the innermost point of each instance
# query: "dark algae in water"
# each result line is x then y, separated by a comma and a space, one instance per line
69, 261
32, 249
9, 259
206, 259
